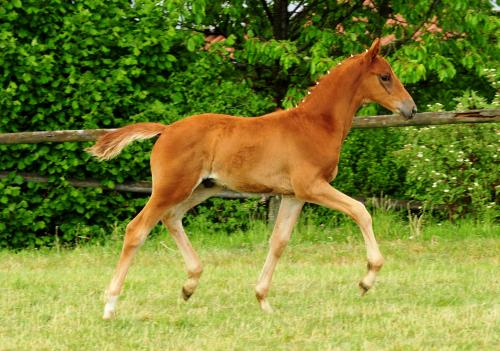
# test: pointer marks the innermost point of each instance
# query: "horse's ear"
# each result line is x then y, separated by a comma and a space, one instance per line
373, 51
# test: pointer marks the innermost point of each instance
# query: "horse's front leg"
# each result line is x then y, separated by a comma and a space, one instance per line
322, 193
287, 217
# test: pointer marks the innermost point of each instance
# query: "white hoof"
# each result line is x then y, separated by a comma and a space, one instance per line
109, 309
108, 315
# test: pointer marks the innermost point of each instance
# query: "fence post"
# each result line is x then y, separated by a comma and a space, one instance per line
273, 206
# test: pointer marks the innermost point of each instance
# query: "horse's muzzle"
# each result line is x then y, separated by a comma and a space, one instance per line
408, 109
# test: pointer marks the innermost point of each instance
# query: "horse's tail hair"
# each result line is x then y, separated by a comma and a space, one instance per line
112, 143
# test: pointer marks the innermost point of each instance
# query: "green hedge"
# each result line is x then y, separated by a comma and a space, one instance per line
96, 64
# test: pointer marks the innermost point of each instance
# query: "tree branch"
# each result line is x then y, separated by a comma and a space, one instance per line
281, 19
397, 44
296, 8
268, 12
426, 17
384, 12
298, 18
353, 8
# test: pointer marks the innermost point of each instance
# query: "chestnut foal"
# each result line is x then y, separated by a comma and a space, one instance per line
294, 153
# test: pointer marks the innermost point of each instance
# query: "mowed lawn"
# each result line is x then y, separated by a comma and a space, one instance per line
440, 293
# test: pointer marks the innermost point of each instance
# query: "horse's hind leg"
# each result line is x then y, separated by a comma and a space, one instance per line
135, 234
173, 221
165, 196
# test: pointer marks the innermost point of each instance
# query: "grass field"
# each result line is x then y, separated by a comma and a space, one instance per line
439, 290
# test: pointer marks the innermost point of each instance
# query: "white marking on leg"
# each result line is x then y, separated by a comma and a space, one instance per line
109, 308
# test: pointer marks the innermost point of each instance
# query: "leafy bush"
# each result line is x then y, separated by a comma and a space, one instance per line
446, 167
455, 167
367, 167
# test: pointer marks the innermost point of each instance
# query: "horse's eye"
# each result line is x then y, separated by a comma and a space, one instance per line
385, 77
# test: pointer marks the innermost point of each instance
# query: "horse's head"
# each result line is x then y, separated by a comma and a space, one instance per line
380, 84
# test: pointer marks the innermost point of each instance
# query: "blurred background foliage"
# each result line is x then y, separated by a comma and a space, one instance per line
102, 64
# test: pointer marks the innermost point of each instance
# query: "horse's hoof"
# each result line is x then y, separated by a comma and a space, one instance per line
363, 287
186, 294
265, 307
108, 315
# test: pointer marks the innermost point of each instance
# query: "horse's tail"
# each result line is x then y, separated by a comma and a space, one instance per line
112, 143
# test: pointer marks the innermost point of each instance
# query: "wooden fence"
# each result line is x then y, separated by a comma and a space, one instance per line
421, 119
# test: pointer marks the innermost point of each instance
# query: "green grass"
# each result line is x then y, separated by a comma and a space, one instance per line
439, 290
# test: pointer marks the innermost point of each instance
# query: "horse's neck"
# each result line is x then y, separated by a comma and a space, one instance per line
336, 97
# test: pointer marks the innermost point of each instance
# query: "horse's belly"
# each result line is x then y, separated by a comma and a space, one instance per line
247, 184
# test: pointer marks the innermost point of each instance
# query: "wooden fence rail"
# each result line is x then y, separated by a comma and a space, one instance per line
144, 187
421, 119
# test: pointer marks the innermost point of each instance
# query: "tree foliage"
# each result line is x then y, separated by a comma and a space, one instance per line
288, 44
